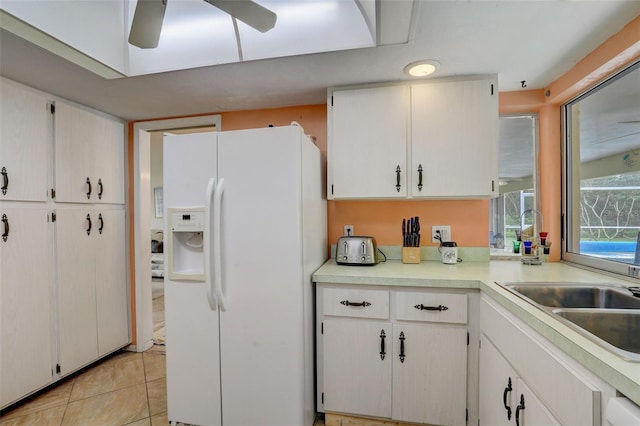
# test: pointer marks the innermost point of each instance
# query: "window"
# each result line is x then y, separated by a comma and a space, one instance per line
602, 162
515, 208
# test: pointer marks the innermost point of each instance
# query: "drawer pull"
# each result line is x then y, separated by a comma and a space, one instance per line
5, 180
504, 398
382, 351
89, 222
5, 234
398, 171
422, 307
402, 346
363, 303
518, 408
88, 182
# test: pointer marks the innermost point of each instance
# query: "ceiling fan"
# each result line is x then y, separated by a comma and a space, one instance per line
149, 14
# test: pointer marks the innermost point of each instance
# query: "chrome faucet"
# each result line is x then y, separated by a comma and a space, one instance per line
534, 257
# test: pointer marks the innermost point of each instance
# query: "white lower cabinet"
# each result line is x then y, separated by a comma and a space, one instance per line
26, 344
505, 399
430, 374
525, 382
92, 302
393, 354
357, 368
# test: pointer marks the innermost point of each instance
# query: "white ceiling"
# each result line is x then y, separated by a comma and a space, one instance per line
196, 33
535, 41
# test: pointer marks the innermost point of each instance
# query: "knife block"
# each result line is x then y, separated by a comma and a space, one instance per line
410, 254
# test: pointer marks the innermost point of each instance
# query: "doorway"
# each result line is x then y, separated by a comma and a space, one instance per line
147, 195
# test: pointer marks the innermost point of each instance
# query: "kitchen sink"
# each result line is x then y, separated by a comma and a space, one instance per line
608, 296
607, 314
619, 328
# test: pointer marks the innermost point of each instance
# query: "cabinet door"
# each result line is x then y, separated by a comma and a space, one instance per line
74, 159
89, 157
367, 143
454, 139
77, 324
24, 143
529, 410
357, 367
430, 374
497, 386
111, 281
109, 162
25, 305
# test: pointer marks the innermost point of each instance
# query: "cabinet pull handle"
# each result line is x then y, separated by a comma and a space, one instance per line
422, 307
89, 220
5, 234
402, 346
398, 186
420, 177
100, 189
363, 303
518, 408
5, 181
101, 227
504, 398
382, 351
89, 187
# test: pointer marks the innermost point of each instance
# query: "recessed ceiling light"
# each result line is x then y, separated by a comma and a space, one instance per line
422, 68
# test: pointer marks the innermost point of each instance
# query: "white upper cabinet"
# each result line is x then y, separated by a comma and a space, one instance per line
367, 156
433, 139
454, 139
24, 143
89, 157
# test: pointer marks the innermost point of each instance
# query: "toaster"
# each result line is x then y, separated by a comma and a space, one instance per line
356, 250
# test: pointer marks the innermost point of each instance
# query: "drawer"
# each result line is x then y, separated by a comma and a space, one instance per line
431, 307
356, 303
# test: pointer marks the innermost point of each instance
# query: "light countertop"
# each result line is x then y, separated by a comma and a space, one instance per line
622, 375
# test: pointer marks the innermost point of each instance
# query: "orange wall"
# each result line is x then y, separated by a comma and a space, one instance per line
618, 52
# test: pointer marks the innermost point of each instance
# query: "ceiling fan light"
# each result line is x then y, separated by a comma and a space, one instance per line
422, 68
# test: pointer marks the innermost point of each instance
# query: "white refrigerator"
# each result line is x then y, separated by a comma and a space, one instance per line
245, 219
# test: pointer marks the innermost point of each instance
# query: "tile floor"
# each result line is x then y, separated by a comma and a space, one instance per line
126, 389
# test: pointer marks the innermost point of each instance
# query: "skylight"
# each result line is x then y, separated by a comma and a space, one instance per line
197, 34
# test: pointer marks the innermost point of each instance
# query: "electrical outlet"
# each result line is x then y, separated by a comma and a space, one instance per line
348, 230
444, 231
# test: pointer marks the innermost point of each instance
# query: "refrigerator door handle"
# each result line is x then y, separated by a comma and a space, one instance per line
217, 252
207, 245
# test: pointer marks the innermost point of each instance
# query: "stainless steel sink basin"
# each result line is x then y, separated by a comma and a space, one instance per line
607, 314
619, 328
558, 295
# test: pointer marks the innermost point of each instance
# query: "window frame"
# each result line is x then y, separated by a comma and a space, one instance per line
569, 181
535, 124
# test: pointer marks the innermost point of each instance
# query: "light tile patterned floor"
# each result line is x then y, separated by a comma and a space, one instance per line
127, 389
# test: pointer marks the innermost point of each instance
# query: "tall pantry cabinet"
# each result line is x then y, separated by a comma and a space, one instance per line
63, 286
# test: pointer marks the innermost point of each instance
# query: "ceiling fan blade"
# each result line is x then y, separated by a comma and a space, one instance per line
147, 23
249, 12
